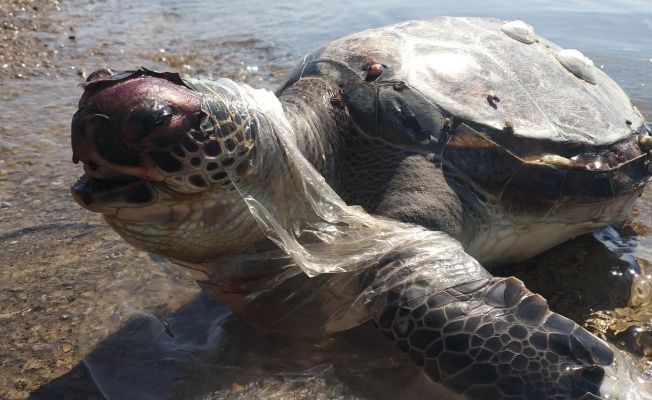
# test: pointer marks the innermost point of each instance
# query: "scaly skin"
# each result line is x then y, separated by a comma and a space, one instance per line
488, 338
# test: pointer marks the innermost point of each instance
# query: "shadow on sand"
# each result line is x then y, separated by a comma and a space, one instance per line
203, 351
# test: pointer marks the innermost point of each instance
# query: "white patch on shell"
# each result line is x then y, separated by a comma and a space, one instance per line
577, 63
519, 30
450, 64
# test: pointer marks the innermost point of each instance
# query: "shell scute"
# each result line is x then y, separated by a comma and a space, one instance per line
454, 63
406, 118
488, 164
625, 178
583, 186
535, 189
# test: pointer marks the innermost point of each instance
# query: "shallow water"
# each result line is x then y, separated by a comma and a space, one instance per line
258, 42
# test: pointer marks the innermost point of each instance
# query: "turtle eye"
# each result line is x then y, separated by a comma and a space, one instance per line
153, 114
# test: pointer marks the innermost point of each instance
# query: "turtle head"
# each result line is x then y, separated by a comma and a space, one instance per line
158, 164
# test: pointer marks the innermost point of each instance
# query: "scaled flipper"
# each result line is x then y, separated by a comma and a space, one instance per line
488, 338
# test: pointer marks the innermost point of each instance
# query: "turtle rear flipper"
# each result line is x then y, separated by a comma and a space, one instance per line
489, 338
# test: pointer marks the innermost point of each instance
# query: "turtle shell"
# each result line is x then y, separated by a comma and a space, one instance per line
402, 82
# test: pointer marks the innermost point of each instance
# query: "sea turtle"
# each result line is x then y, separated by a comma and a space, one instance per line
472, 142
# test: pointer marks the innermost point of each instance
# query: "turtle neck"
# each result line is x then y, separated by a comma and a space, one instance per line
316, 112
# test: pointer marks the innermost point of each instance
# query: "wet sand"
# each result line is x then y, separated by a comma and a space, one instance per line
24, 49
58, 261
45, 284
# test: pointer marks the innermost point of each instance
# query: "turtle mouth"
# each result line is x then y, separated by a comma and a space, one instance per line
105, 190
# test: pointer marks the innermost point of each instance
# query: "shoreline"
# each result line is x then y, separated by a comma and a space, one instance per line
40, 300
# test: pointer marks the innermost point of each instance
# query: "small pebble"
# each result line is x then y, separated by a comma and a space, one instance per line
237, 388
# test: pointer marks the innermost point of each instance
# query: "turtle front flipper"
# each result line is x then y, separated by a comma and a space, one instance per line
488, 338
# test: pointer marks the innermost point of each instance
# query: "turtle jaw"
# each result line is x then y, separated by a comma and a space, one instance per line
113, 198
185, 228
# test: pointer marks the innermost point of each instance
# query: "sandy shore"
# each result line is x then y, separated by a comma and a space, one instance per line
26, 27
44, 287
